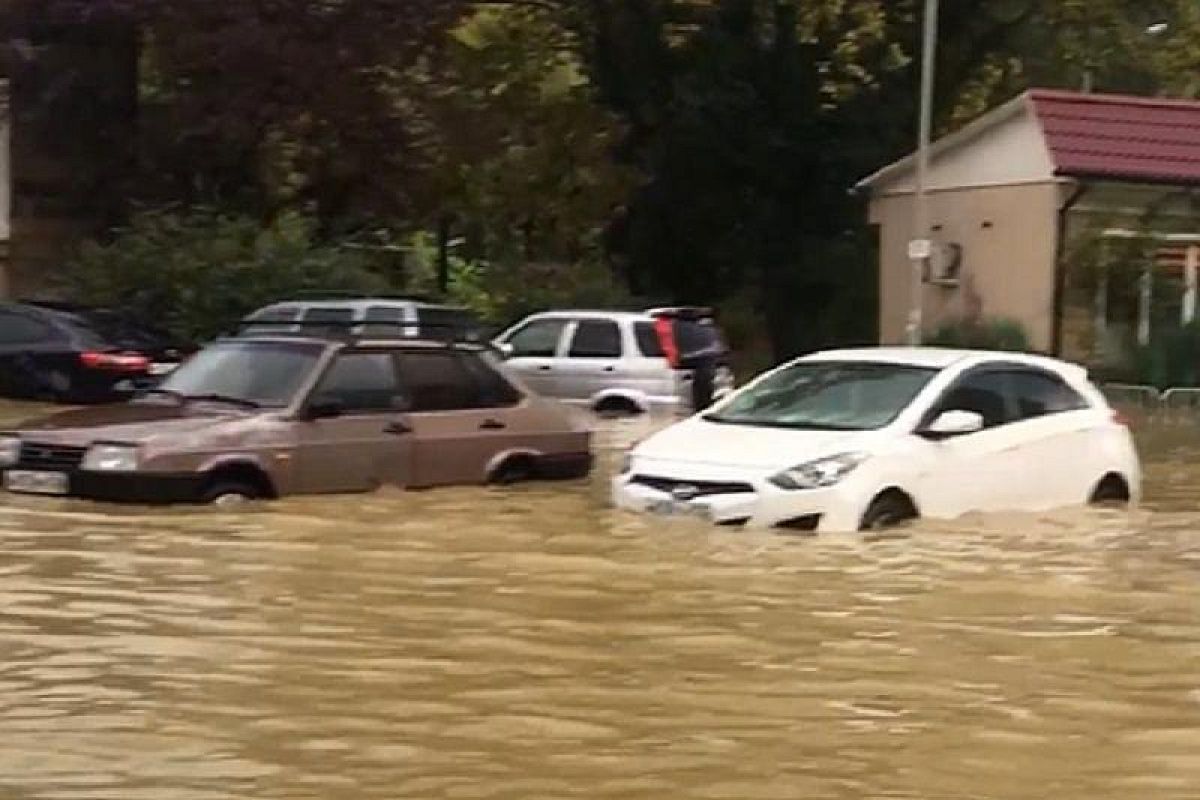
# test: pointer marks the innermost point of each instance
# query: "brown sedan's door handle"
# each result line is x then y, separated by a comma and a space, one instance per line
492, 425
397, 428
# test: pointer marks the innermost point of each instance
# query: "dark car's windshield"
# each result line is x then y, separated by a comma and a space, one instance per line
260, 373
850, 396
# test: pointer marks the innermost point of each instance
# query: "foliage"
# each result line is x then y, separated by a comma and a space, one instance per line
198, 271
286, 103
1171, 359
981, 334
503, 293
523, 157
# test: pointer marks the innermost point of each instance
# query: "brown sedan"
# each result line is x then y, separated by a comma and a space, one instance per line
268, 416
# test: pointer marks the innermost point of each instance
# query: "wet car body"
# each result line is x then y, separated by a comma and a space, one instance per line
848, 440
303, 415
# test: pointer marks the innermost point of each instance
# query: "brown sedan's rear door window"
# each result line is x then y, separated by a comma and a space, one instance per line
436, 381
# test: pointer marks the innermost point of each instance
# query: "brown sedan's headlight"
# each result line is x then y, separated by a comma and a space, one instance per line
111, 458
10, 451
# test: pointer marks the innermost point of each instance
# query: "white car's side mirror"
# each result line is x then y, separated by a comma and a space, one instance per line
505, 349
954, 423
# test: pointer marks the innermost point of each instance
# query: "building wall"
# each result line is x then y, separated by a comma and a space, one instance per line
1003, 148
1008, 237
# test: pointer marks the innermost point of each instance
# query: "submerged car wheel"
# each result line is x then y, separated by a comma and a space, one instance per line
514, 470
1111, 491
229, 494
614, 407
887, 511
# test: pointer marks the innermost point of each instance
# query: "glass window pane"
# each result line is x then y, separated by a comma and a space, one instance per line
361, 382
538, 339
1039, 393
491, 388
436, 381
648, 343
983, 394
596, 338
20, 329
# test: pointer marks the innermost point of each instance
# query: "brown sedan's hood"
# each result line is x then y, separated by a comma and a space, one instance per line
127, 422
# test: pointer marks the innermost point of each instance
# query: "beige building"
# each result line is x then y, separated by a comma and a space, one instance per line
1074, 214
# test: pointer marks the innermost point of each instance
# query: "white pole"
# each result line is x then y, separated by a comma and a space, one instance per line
1145, 292
921, 200
1191, 262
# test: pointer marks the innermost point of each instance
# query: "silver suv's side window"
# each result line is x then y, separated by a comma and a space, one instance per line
648, 341
596, 338
361, 382
538, 339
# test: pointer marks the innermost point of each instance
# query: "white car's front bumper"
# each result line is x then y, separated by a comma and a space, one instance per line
764, 505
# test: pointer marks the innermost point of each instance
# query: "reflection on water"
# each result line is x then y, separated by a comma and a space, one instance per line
531, 643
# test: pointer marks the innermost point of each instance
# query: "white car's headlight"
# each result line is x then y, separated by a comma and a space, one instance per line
820, 473
10, 451
111, 458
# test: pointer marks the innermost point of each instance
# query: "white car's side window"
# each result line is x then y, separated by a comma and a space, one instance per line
983, 393
1013, 394
1040, 393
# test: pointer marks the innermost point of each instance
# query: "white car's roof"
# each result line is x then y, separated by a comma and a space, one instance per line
940, 358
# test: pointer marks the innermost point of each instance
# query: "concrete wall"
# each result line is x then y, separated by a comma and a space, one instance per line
1008, 236
1003, 148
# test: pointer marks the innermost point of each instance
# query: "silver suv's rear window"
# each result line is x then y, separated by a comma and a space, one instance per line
691, 337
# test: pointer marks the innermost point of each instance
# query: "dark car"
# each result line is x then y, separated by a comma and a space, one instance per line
79, 354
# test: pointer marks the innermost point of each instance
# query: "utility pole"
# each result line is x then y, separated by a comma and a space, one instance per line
920, 249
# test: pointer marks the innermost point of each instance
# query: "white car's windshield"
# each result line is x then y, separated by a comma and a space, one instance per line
841, 396
249, 373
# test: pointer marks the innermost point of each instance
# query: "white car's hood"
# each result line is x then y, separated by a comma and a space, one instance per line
695, 441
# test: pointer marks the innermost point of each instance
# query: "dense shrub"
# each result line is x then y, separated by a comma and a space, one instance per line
197, 272
983, 334
504, 292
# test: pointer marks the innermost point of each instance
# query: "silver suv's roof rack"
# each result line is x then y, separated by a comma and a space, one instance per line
683, 312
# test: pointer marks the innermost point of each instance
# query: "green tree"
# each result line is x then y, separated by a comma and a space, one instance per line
523, 166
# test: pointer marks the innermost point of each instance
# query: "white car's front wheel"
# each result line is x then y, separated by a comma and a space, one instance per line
888, 510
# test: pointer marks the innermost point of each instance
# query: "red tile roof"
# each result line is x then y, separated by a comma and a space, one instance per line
1120, 137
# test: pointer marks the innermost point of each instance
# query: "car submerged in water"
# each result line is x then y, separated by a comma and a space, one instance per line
863, 439
264, 416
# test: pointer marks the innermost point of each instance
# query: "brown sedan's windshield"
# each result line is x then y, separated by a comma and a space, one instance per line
259, 373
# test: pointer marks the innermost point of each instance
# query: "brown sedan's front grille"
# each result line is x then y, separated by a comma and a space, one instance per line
702, 488
51, 456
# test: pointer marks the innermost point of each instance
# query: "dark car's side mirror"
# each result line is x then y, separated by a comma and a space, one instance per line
323, 408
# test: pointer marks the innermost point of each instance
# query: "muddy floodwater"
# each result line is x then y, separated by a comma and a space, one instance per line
530, 643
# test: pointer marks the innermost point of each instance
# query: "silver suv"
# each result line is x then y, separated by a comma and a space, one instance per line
379, 316
664, 360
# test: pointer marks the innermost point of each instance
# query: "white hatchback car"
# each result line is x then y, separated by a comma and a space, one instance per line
861, 439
